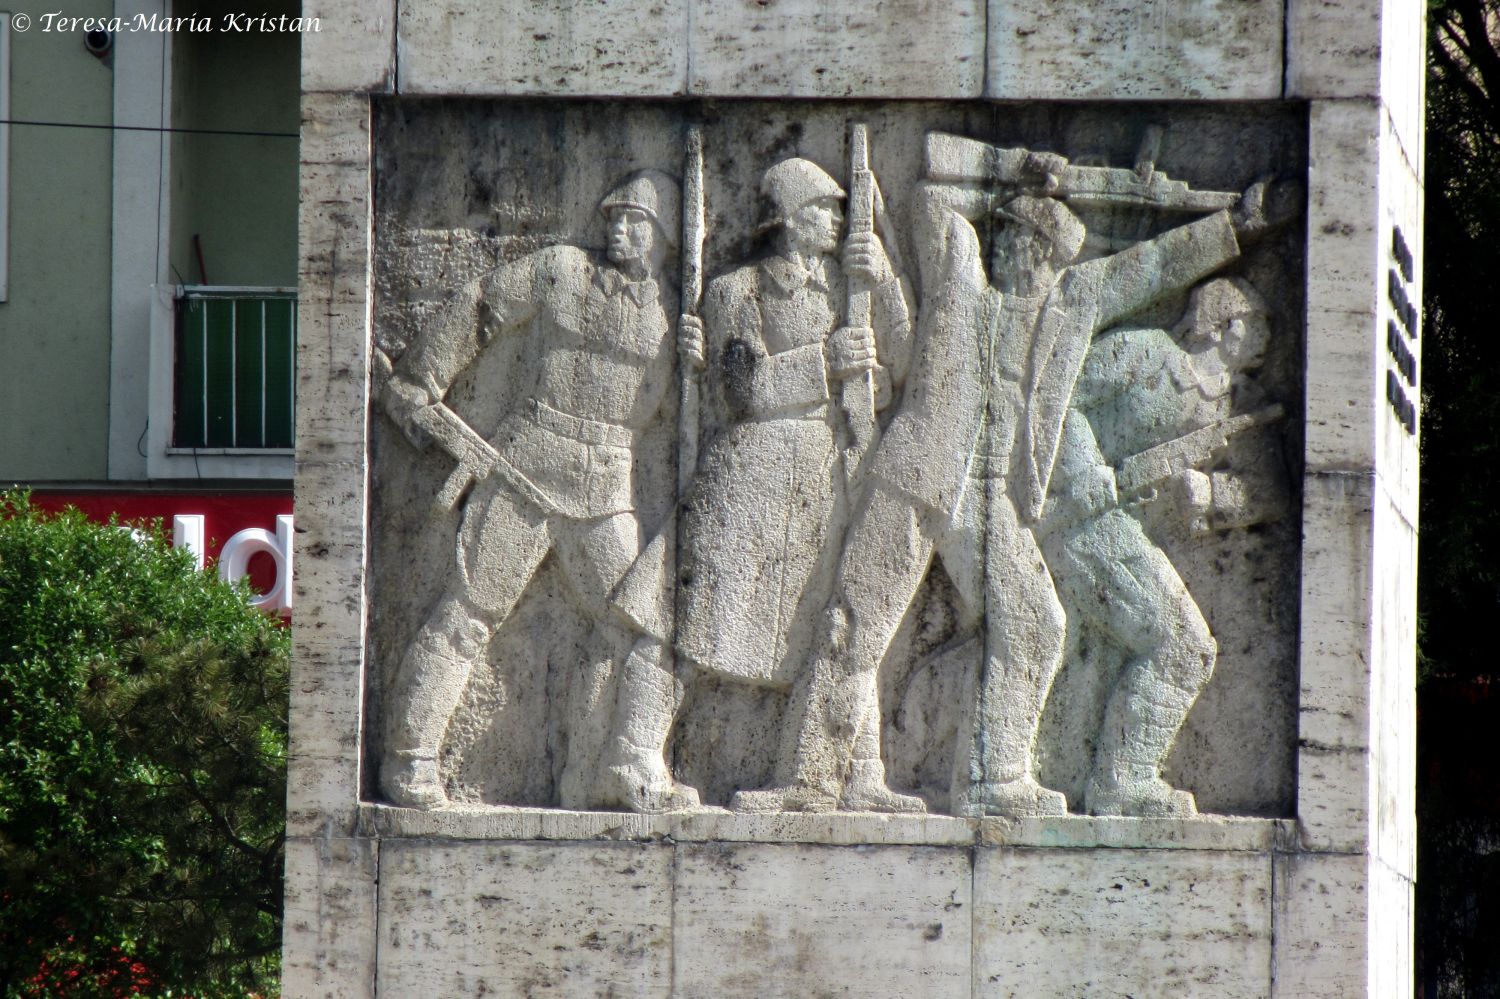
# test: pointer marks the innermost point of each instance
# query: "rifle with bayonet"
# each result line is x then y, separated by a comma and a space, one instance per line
857, 396
955, 159
693, 233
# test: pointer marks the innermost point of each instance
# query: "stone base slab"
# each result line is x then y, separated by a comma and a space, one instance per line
701, 905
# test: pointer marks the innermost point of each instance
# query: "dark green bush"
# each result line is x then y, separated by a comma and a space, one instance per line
142, 764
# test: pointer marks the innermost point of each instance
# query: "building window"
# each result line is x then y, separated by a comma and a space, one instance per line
234, 369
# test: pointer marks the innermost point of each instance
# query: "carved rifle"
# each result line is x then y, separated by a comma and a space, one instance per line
955, 159
857, 396
475, 457
1140, 472
693, 232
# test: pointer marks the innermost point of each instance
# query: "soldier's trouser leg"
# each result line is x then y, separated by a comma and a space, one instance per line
1025, 630
885, 558
634, 773
501, 542
1151, 613
616, 751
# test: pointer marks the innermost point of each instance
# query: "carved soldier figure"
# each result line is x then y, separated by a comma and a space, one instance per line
767, 511
964, 467
1147, 413
555, 478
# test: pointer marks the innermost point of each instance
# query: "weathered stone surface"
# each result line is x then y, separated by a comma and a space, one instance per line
1333, 736
524, 919
1071, 832
323, 781
1321, 919
575, 49
1148, 50
1303, 588
752, 920
1393, 698
786, 513
354, 48
1367, 50
809, 48
329, 921
1122, 923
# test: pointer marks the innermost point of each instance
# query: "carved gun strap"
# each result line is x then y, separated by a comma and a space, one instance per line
857, 396
476, 458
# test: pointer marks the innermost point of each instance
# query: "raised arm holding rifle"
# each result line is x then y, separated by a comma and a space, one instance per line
964, 466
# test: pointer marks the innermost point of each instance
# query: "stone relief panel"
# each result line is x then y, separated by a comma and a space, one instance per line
836, 456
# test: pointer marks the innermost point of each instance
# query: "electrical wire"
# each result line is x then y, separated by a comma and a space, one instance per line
150, 128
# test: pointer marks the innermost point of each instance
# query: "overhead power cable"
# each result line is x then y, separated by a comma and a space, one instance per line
149, 128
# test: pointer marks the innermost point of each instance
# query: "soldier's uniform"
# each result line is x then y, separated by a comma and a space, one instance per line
963, 469
563, 481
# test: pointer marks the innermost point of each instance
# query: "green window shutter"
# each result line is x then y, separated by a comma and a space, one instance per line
234, 369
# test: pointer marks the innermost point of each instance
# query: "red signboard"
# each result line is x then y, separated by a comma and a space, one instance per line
225, 516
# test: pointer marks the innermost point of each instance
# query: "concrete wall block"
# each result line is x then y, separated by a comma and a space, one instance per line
579, 49
1121, 923
1344, 243
1391, 931
1393, 722
328, 949
508, 919
1344, 391
1333, 48
1401, 207
1367, 48
1149, 50
1321, 917
354, 48
1346, 284
1403, 74
759, 920
816, 48
1337, 653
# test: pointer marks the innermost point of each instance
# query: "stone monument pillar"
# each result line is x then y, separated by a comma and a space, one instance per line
876, 500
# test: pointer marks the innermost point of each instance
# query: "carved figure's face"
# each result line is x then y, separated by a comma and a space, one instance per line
1020, 255
814, 228
632, 234
1245, 340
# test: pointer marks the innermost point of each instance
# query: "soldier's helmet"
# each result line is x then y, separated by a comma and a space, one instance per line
1229, 314
1052, 219
654, 193
789, 185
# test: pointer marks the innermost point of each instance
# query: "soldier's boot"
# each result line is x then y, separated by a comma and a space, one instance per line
994, 773
427, 687
1141, 723
819, 749
410, 779
866, 789
1020, 797
634, 773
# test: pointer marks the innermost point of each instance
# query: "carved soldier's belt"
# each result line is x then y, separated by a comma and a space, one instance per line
578, 428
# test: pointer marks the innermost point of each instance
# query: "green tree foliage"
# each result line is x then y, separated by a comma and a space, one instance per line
1458, 802
142, 765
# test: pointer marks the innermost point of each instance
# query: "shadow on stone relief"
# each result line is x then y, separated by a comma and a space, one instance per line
813, 457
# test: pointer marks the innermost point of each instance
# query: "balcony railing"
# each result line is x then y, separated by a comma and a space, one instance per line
235, 368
